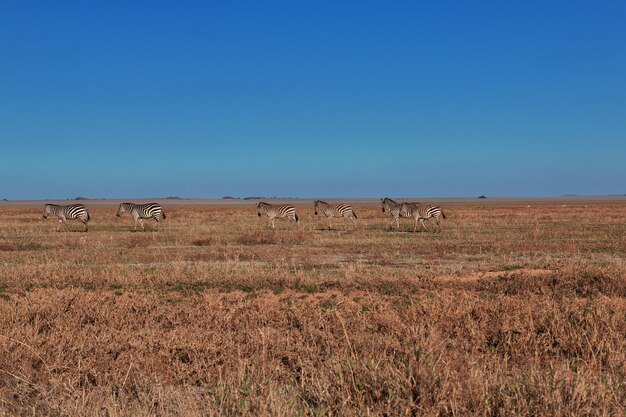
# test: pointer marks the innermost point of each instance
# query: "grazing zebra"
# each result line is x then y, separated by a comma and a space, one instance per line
335, 210
70, 212
389, 205
274, 211
141, 212
421, 213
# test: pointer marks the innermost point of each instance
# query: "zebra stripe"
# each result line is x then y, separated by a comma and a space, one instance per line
69, 212
277, 212
421, 213
141, 212
335, 210
394, 209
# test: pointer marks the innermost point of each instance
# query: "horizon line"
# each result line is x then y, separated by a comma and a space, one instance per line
247, 198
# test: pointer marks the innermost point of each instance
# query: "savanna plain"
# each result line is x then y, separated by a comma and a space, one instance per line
515, 308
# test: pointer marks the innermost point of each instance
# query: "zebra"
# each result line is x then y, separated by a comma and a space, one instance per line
69, 212
275, 211
335, 210
389, 205
141, 212
421, 213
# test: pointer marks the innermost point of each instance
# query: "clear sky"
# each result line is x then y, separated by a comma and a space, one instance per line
312, 98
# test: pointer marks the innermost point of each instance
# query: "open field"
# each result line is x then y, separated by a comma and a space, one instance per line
516, 308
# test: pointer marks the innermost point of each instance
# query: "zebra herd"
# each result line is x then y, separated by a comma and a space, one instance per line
397, 210
141, 212
416, 210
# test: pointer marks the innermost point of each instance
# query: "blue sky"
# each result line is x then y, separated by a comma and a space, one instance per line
312, 99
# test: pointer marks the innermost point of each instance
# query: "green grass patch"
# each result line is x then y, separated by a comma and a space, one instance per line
327, 304
307, 288
390, 288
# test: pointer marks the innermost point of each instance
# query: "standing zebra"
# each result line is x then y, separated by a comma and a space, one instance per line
70, 212
141, 212
389, 205
335, 210
274, 211
421, 213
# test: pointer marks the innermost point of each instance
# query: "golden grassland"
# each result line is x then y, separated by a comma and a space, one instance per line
511, 310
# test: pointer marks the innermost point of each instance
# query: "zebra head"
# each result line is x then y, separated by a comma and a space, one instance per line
121, 209
386, 203
261, 208
48, 210
316, 204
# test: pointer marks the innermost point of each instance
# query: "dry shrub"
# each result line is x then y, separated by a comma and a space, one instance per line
31, 246
22, 246
583, 283
8, 246
203, 242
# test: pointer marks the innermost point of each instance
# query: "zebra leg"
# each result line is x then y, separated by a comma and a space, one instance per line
273, 226
423, 224
59, 225
86, 227
330, 223
353, 222
157, 224
398, 223
143, 228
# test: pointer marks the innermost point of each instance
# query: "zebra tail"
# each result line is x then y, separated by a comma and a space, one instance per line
354, 214
163, 214
88, 217
296, 216
443, 214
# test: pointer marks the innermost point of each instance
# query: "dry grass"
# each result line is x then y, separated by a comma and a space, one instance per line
509, 311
